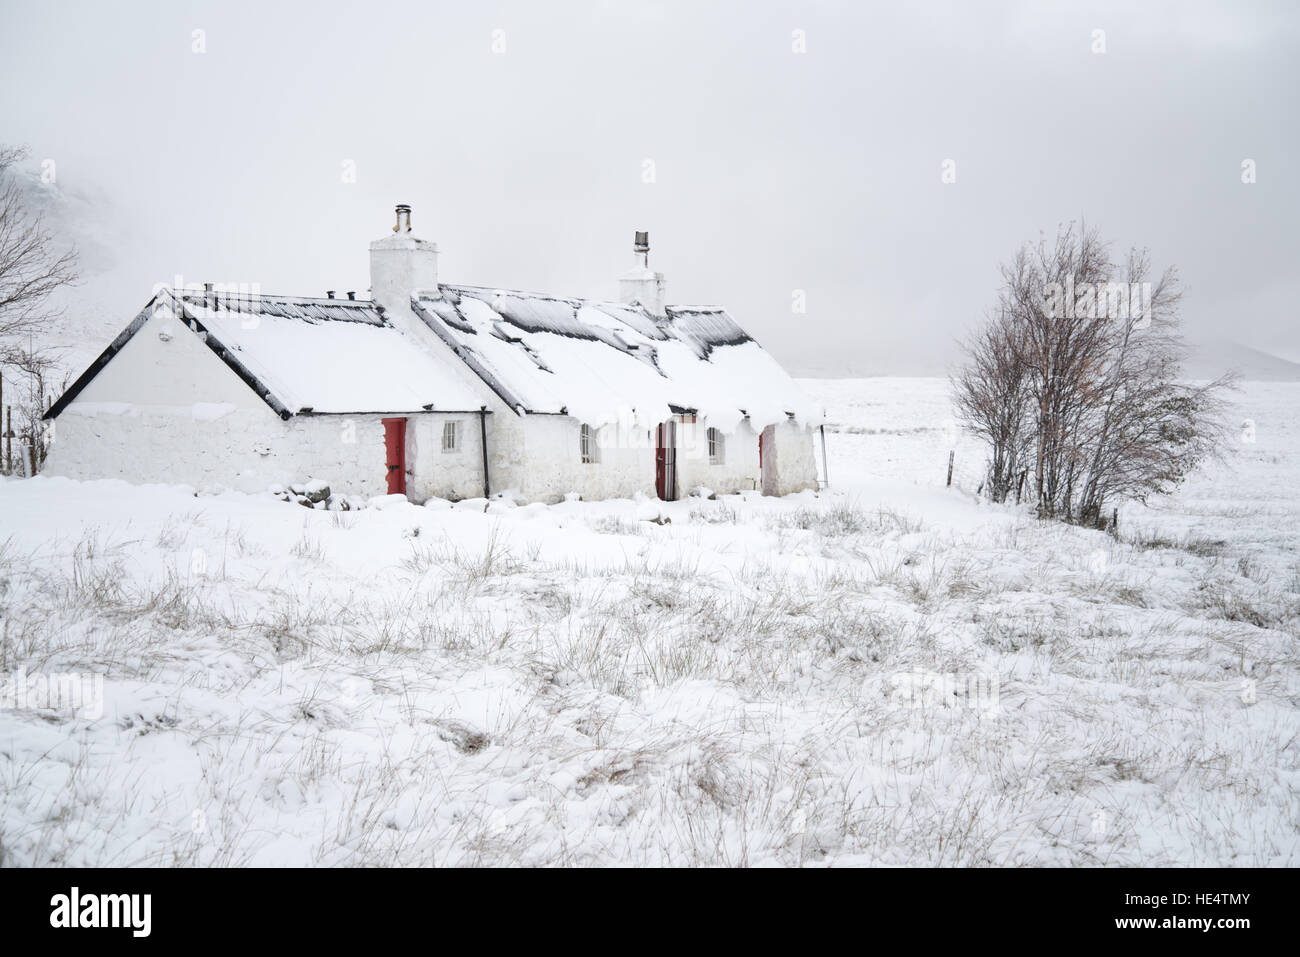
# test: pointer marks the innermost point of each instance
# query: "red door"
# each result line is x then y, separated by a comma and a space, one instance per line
395, 447
666, 461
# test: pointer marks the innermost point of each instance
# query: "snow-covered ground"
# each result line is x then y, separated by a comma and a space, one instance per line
888, 672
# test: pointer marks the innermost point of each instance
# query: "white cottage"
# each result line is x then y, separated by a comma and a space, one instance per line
431, 389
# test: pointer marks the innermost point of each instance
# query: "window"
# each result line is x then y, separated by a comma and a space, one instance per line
450, 436
588, 446
717, 447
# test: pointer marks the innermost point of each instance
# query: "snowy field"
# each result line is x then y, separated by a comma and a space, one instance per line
888, 672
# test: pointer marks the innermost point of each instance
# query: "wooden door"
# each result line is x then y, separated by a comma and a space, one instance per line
395, 449
666, 461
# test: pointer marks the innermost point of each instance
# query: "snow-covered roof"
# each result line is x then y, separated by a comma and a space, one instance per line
597, 361
327, 355
601, 361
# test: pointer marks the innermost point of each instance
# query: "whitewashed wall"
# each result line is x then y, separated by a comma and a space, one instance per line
539, 458
431, 471
738, 470
789, 459
249, 450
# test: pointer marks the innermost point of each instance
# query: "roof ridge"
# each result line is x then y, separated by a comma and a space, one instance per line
549, 297
227, 293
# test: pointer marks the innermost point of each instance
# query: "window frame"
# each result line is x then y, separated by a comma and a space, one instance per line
455, 432
588, 447
717, 444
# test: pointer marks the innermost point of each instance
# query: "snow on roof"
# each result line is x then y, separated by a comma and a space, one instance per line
328, 355
601, 361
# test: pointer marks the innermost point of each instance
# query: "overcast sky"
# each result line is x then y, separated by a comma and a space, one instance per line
524, 152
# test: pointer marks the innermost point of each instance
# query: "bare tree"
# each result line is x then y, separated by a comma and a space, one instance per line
991, 395
32, 369
1062, 353
1095, 352
32, 269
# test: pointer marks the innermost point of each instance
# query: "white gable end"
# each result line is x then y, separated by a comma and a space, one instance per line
166, 365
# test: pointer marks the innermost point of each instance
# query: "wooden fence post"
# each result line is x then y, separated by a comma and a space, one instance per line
951, 453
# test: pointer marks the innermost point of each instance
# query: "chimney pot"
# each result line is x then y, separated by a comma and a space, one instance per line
641, 247
352, 294
402, 265
329, 293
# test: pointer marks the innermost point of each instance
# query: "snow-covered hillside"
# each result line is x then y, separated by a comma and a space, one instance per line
888, 672
83, 317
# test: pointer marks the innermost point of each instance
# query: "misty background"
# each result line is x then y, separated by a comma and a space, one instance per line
520, 132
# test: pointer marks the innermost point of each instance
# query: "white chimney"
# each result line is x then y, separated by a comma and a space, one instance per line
641, 284
401, 265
